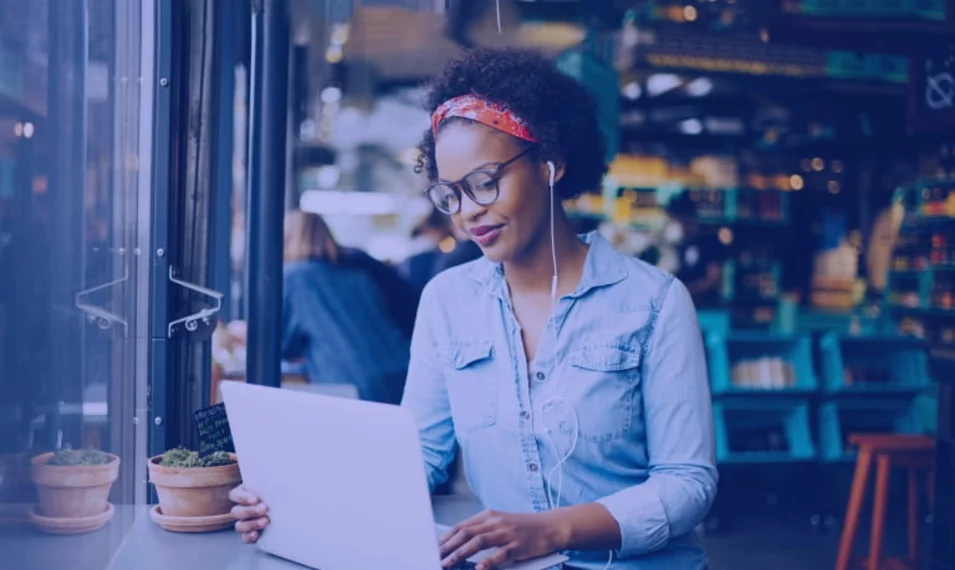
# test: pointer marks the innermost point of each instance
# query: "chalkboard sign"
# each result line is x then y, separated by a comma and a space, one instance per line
212, 424
932, 90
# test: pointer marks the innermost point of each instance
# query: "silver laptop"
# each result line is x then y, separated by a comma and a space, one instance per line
344, 480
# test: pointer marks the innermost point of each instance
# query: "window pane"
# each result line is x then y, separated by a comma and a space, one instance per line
75, 146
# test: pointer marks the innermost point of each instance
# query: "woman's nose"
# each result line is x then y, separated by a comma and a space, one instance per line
469, 208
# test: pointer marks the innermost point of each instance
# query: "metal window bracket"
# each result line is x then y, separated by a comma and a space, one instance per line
102, 317
191, 322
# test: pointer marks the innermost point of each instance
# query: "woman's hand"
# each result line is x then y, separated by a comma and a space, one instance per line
516, 536
250, 513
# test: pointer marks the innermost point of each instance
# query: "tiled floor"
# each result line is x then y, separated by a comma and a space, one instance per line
771, 543
764, 543
760, 531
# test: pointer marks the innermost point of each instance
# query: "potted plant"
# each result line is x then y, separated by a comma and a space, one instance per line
193, 487
73, 489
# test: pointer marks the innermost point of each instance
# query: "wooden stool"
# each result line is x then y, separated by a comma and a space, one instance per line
911, 452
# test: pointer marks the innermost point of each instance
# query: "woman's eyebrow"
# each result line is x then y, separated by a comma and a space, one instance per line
481, 166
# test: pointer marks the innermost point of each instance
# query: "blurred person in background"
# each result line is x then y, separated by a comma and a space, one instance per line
444, 249
346, 315
701, 256
882, 240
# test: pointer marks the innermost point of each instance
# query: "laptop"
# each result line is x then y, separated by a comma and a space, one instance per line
344, 480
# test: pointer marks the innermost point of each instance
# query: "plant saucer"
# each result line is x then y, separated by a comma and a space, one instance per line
191, 524
72, 525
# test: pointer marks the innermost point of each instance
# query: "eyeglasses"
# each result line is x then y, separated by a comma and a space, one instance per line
481, 186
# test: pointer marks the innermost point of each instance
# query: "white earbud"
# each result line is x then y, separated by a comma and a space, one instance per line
553, 244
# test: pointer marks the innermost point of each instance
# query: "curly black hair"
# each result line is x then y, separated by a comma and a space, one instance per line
558, 110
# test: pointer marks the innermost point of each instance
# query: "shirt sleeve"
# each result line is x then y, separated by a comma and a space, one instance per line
425, 393
679, 429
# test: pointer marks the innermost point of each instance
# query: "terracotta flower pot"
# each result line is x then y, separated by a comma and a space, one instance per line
72, 491
194, 491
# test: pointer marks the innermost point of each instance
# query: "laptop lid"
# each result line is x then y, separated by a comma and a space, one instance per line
344, 479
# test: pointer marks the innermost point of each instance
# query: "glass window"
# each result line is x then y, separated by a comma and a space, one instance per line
75, 149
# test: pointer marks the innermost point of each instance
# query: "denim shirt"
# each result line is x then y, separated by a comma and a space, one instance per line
618, 412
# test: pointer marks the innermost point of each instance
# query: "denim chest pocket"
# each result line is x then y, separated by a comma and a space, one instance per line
472, 382
605, 385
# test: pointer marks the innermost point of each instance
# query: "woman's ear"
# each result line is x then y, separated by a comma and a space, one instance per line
558, 170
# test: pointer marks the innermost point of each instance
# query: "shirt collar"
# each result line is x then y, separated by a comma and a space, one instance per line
602, 268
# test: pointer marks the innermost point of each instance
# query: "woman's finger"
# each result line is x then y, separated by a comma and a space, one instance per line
242, 496
467, 523
240, 513
250, 537
245, 526
460, 535
502, 556
452, 541
249, 525
472, 543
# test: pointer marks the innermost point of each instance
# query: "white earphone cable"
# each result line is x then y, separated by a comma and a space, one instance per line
575, 433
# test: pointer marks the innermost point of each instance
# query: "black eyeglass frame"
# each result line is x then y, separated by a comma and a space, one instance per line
494, 173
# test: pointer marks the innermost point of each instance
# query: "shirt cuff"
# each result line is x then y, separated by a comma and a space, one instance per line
643, 522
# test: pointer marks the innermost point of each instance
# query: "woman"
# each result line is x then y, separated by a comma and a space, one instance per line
584, 424
344, 313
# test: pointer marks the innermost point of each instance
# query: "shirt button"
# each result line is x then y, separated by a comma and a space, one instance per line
540, 376
532, 467
525, 415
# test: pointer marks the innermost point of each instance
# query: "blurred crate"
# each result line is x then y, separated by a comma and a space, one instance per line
879, 364
762, 362
754, 430
840, 418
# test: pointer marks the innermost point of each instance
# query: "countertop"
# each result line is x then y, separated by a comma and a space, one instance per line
132, 541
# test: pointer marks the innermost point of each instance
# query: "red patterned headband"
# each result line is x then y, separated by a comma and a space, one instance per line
482, 111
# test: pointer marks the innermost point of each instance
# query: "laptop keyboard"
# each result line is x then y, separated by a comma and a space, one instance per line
464, 565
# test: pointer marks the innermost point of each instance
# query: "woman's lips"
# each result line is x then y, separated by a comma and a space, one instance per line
485, 235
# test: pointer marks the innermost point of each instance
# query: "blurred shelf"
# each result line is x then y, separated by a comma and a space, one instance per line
844, 322
838, 419
780, 426
942, 354
745, 458
715, 321
787, 391
755, 363
900, 362
641, 207
925, 311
